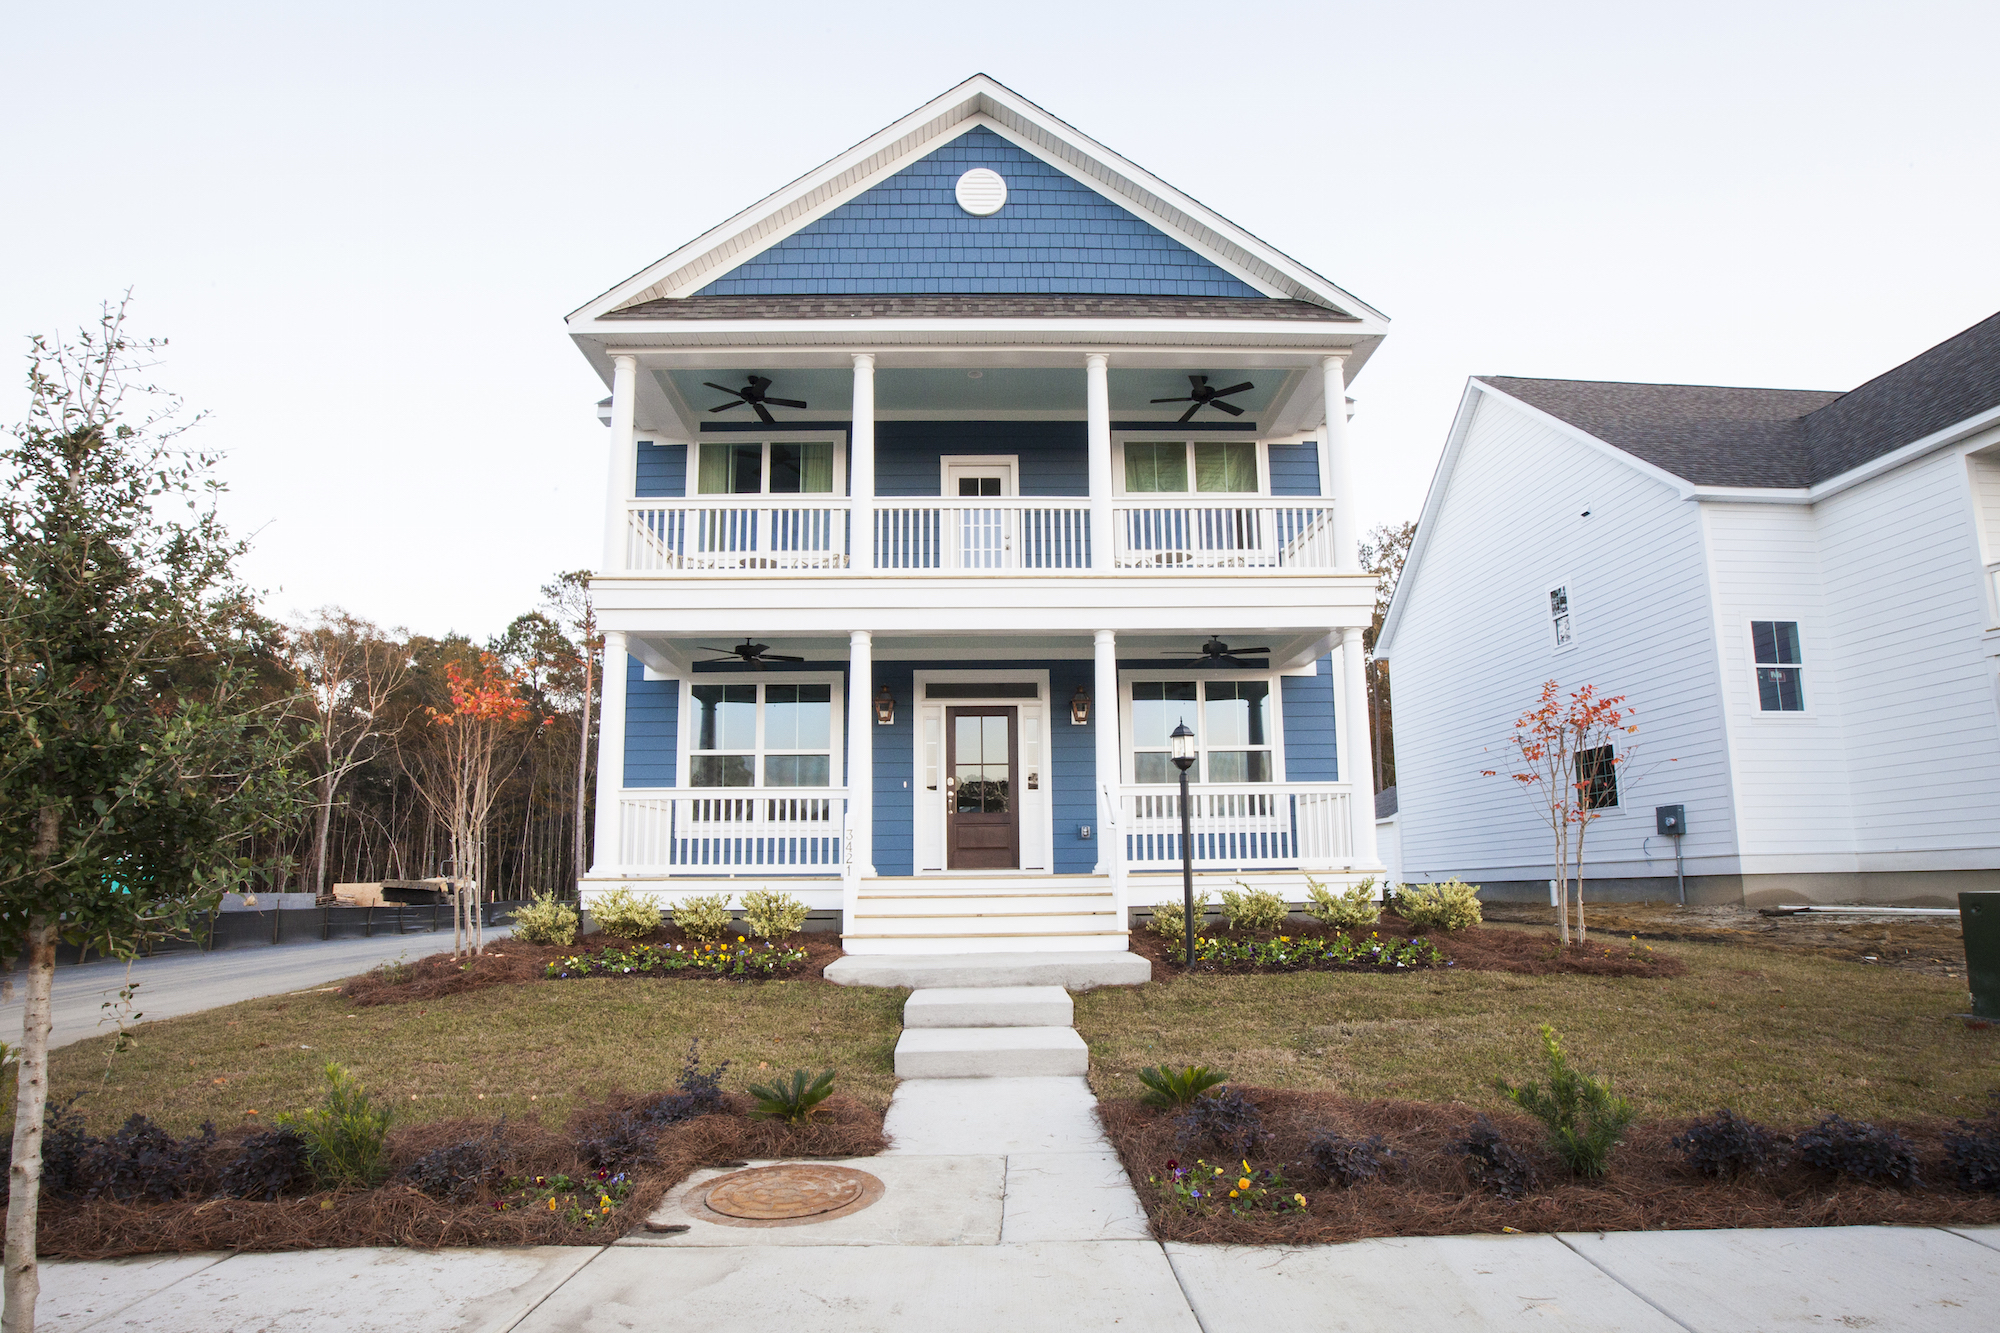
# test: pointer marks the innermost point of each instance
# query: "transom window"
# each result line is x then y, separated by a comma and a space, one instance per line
1231, 720
1780, 666
773, 467
761, 735
1216, 467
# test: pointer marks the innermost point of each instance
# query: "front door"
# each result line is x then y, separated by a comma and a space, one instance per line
982, 825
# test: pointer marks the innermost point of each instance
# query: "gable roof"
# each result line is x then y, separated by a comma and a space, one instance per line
1008, 306
870, 211
1778, 438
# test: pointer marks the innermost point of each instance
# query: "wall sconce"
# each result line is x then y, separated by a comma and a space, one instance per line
885, 708
1079, 708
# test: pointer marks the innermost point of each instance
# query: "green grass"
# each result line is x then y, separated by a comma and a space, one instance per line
1775, 1037
533, 1049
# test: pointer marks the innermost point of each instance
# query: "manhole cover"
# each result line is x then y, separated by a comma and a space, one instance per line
784, 1193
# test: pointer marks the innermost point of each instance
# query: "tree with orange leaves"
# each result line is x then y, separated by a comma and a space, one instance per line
455, 761
1567, 753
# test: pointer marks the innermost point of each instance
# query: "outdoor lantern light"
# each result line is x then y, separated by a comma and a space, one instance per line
1183, 740
1079, 708
885, 708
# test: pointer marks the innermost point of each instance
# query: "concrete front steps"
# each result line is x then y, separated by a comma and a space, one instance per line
1073, 969
990, 1032
1004, 913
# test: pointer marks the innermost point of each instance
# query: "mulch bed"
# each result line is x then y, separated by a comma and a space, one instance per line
509, 962
398, 1214
1427, 1193
1478, 949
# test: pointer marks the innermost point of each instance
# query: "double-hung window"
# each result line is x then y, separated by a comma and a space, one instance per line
1231, 720
1215, 467
761, 735
1559, 621
1597, 777
1781, 684
774, 467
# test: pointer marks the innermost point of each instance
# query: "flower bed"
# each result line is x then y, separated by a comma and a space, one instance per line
1334, 952
738, 958
1418, 1181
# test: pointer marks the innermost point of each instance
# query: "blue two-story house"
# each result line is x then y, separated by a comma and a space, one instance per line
945, 483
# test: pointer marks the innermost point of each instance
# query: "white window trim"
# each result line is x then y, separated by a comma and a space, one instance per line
692, 483
946, 462
836, 757
1806, 687
1126, 679
1168, 436
927, 806
1568, 589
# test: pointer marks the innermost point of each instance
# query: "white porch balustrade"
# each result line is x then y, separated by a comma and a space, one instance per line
732, 828
727, 536
971, 536
1239, 826
1173, 536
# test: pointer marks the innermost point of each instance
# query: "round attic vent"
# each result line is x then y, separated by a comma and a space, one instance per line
981, 192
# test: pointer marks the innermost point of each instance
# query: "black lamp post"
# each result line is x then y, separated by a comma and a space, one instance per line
1184, 760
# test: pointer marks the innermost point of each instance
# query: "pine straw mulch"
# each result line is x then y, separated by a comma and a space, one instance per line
510, 962
1427, 1192
395, 1213
1478, 949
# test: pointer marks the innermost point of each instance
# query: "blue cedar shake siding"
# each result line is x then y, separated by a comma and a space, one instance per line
662, 469
1311, 752
908, 235
1055, 455
652, 727
1295, 468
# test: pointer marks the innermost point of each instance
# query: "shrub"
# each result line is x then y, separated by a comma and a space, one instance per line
1253, 909
268, 1165
629, 1138
703, 918
1495, 1164
1585, 1121
1858, 1149
791, 1101
144, 1163
1452, 905
1974, 1152
66, 1149
344, 1138
770, 915
1347, 1162
623, 914
1169, 919
454, 1173
1167, 1086
1226, 1120
546, 920
1726, 1145
1349, 910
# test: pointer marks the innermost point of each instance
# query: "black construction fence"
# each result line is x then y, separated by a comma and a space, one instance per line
298, 925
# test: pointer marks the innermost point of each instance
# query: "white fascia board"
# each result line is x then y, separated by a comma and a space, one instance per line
978, 99
1681, 485
1461, 423
628, 335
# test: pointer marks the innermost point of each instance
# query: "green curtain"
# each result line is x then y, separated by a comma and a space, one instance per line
1226, 465
1152, 467
816, 468
714, 473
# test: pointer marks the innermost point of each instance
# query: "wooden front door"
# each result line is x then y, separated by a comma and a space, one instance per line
982, 820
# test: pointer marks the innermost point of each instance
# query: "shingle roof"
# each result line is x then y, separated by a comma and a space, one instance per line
1716, 436
1044, 306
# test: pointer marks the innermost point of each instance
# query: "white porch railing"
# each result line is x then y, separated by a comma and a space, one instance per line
1238, 825
954, 536
725, 828
726, 534
1203, 535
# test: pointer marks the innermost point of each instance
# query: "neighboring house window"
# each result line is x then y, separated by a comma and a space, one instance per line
1559, 615
1597, 777
1780, 669
1217, 467
1231, 720
762, 736
774, 468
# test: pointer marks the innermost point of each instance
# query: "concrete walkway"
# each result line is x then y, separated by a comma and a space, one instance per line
174, 984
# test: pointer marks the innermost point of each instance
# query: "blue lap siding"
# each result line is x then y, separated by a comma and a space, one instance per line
652, 727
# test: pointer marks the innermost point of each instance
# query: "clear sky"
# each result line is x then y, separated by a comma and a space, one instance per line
362, 224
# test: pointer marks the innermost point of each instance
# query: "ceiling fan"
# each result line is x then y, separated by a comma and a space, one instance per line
753, 655
1216, 653
1204, 396
753, 393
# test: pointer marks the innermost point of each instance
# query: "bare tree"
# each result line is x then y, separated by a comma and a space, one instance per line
347, 671
569, 597
1382, 555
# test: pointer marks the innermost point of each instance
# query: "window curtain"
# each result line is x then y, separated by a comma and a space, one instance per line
1152, 467
1226, 465
713, 478
816, 468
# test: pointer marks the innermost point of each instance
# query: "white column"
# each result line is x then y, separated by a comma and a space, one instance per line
859, 854
1336, 478
1104, 718
620, 479
605, 860
861, 463
1097, 414
1357, 760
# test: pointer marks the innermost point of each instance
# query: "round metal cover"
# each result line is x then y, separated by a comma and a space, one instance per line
775, 1193
981, 192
